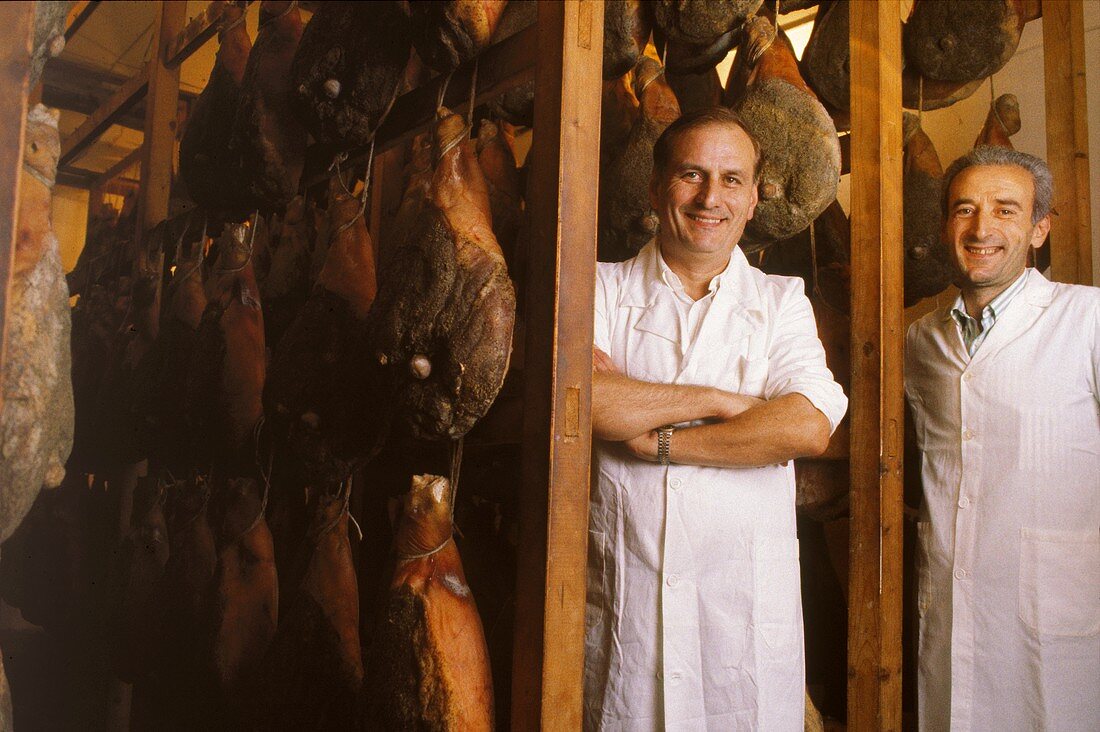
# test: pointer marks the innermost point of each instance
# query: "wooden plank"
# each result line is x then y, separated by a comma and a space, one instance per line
16, 30
1068, 139
159, 148
78, 15
120, 167
200, 30
120, 102
547, 676
877, 401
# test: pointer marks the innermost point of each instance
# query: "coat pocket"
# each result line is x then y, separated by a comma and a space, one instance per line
1060, 582
924, 567
754, 377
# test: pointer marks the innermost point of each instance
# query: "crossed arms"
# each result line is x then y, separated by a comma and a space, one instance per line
742, 431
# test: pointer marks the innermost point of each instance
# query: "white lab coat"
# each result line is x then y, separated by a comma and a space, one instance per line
694, 616
1009, 573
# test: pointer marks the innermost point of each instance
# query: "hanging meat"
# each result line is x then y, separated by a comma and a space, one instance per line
626, 221
266, 133
801, 154
227, 366
961, 40
286, 285
36, 411
349, 65
927, 268
497, 158
211, 170
448, 32
313, 674
626, 28
442, 324
246, 589
1001, 123
517, 104
319, 392
695, 90
429, 667
826, 60
701, 22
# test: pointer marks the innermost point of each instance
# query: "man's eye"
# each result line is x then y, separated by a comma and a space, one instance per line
691, 175
732, 180
963, 211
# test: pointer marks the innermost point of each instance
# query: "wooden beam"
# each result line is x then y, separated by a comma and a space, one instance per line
100, 121
16, 32
78, 14
877, 400
159, 147
201, 29
547, 676
1068, 139
132, 159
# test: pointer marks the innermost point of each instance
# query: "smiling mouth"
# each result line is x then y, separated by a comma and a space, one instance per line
703, 219
982, 251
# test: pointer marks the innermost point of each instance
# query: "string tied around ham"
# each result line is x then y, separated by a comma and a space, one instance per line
253, 225
293, 4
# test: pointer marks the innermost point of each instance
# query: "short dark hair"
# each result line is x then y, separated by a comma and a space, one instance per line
702, 118
995, 155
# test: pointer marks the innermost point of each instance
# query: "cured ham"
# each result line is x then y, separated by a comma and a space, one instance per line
286, 285
498, 163
36, 414
321, 375
927, 269
429, 667
801, 155
349, 64
626, 222
696, 90
961, 40
449, 32
211, 170
701, 22
826, 59
626, 28
1001, 123
442, 324
266, 133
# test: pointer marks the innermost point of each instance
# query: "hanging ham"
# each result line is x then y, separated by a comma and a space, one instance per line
801, 155
626, 28
927, 268
285, 287
442, 324
429, 667
701, 22
448, 32
211, 170
961, 40
1001, 123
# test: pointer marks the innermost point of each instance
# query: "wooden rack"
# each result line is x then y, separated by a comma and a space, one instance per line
564, 54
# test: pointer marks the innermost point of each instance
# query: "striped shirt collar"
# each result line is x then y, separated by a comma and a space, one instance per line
973, 331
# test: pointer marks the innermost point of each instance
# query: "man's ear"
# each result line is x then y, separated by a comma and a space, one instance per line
1039, 232
754, 200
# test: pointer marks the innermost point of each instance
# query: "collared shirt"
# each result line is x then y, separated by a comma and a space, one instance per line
973, 332
691, 312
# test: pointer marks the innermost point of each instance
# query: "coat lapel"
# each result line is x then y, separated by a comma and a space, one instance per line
1021, 314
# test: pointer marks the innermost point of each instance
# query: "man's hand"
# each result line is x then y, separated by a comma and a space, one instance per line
644, 446
602, 363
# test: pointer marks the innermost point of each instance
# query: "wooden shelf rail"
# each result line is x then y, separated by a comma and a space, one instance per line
129, 94
78, 15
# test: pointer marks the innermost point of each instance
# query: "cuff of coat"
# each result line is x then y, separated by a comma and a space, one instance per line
828, 398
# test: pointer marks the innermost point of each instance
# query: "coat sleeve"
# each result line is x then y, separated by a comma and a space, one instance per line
601, 335
796, 358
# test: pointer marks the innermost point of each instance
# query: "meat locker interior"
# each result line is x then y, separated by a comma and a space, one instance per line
297, 317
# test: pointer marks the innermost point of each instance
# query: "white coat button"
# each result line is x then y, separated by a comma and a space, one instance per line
968, 376
960, 573
676, 483
674, 677
672, 580
964, 502
967, 435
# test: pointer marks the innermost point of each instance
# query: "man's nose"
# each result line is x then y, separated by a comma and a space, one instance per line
707, 195
981, 225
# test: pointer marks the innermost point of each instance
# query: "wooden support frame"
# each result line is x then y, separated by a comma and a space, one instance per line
78, 15
16, 35
129, 94
159, 147
547, 674
201, 29
1067, 139
877, 399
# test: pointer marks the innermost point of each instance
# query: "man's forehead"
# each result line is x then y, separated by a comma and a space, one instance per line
1007, 179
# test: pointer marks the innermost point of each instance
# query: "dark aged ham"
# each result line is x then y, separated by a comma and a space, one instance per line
313, 673
49, 42
701, 22
517, 104
626, 28
695, 90
825, 61
626, 222
227, 366
961, 40
498, 163
1001, 123
442, 324
349, 64
209, 168
246, 590
927, 269
685, 58
429, 667
448, 32
266, 133
36, 416
318, 392
801, 165
286, 285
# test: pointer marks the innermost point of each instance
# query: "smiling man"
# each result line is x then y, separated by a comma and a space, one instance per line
709, 378
1004, 391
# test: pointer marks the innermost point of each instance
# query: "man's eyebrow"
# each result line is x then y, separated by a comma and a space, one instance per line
688, 165
1008, 202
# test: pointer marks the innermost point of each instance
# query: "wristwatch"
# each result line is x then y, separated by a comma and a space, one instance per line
664, 443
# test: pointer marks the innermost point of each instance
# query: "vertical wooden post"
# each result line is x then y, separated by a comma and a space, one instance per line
160, 121
877, 400
547, 678
16, 29
1068, 139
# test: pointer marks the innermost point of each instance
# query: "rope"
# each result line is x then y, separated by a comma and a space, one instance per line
293, 4
650, 80
456, 469
251, 241
411, 557
366, 187
473, 95
443, 89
